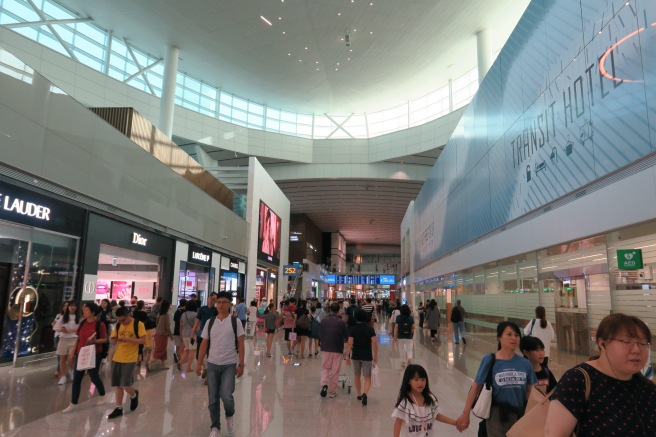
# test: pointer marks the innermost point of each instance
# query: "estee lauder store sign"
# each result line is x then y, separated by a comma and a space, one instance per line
27, 207
19, 206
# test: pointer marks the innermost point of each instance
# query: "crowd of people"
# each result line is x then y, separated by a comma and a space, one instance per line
605, 395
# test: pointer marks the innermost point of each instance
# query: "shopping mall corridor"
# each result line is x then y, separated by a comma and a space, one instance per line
275, 397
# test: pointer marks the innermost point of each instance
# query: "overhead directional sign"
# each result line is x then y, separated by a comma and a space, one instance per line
291, 270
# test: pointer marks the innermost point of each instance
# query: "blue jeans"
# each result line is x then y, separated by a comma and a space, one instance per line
220, 386
458, 330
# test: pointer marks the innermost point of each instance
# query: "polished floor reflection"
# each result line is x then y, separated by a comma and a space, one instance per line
275, 397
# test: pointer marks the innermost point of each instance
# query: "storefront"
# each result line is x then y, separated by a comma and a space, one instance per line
39, 246
122, 260
196, 274
232, 277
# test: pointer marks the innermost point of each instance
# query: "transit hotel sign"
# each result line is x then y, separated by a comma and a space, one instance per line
629, 259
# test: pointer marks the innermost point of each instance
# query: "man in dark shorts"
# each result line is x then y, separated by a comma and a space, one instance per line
125, 358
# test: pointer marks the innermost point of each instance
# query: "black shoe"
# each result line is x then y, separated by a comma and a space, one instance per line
463, 340
176, 358
364, 399
324, 391
118, 411
134, 402
359, 398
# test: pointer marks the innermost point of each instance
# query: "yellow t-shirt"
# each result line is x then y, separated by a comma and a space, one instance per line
127, 352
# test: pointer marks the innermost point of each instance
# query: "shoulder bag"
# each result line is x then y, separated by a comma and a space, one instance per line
534, 420
483, 401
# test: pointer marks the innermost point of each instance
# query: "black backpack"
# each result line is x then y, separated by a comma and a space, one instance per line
233, 319
405, 327
455, 315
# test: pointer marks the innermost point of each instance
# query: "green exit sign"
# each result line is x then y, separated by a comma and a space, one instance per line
630, 259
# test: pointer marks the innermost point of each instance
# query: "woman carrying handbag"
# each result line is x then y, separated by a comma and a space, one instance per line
512, 380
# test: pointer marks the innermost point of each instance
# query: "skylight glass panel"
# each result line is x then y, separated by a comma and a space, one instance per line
92, 32
255, 108
226, 98
54, 10
20, 9
272, 125
255, 121
304, 130
288, 128
273, 113
239, 103
304, 119
288, 117
208, 91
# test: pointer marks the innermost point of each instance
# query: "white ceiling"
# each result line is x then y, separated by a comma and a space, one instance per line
414, 48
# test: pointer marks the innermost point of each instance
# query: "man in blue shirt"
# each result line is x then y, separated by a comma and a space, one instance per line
205, 313
240, 311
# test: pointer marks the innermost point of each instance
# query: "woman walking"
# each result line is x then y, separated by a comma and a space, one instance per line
66, 326
512, 379
620, 401
64, 310
163, 333
271, 323
541, 328
187, 321
404, 329
433, 319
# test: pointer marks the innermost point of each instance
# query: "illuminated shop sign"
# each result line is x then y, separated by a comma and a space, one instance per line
199, 255
19, 206
138, 239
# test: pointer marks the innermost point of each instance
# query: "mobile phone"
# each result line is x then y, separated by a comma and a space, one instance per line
297, 364
192, 341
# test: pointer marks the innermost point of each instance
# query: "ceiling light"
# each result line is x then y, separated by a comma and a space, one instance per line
316, 62
371, 33
342, 39
265, 20
348, 59
339, 13
336, 69
338, 63
317, 69
350, 50
371, 4
300, 60
280, 18
289, 54
355, 30
305, 48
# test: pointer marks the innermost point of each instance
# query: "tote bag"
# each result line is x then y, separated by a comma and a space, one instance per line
534, 420
86, 359
483, 402
292, 336
375, 376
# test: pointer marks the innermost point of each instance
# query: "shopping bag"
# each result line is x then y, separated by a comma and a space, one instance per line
533, 422
483, 403
292, 336
375, 376
86, 359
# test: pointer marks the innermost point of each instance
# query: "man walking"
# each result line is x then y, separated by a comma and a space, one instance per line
240, 311
223, 342
205, 313
332, 334
458, 321
129, 334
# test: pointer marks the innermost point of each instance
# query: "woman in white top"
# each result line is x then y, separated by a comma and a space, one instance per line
541, 328
67, 329
64, 310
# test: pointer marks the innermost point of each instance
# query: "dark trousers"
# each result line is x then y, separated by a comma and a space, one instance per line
421, 320
95, 378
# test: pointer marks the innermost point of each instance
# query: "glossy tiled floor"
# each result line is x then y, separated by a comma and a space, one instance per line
273, 398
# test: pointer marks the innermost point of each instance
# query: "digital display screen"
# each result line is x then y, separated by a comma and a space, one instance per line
268, 240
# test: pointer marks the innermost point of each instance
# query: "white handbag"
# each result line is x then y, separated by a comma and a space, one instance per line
483, 402
86, 359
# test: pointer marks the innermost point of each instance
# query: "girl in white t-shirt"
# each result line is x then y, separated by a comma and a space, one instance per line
541, 328
416, 408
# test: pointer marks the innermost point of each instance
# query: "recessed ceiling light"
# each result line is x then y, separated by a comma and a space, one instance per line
350, 50
265, 20
280, 18
305, 48
342, 39
348, 59
336, 69
284, 33
316, 62
355, 30
339, 13
338, 63
371, 4
371, 33
289, 54
300, 60
317, 69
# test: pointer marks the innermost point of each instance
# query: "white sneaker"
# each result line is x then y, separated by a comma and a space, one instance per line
230, 422
332, 394
215, 432
62, 380
70, 408
101, 401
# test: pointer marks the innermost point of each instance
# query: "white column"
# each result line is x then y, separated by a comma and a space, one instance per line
484, 53
167, 102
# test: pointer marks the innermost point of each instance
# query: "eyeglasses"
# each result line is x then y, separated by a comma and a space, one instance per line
223, 302
628, 344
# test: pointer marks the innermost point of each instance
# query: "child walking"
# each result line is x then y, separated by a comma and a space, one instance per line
417, 408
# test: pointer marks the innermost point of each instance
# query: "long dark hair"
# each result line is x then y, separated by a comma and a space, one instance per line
412, 371
164, 307
66, 317
541, 314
